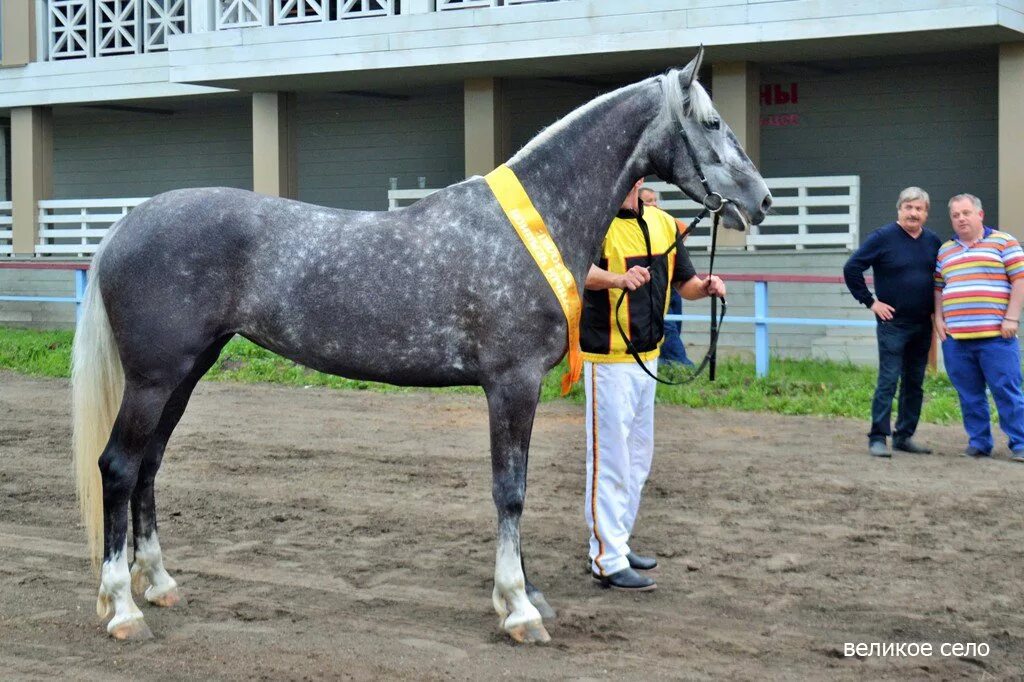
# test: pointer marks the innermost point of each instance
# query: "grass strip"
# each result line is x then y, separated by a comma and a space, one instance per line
797, 387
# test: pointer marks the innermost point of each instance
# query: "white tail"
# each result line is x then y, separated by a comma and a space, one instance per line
97, 385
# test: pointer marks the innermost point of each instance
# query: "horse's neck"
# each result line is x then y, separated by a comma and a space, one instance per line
578, 175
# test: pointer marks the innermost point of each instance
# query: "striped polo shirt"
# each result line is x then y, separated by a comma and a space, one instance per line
975, 283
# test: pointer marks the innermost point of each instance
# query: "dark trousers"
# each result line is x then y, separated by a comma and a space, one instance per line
673, 350
902, 359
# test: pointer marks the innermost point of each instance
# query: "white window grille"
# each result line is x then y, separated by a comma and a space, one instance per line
74, 227
6, 231
69, 28
117, 24
242, 13
300, 11
164, 18
353, 9
78, 29
465, 4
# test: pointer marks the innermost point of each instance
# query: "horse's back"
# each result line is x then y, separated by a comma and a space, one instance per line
410, 296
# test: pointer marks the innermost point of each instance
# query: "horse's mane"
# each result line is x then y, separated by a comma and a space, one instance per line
674, 104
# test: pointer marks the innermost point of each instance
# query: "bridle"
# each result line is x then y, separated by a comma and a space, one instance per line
713, 203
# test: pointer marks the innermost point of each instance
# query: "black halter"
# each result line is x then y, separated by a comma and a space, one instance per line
713, 203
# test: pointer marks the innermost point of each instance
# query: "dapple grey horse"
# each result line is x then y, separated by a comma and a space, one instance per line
440, 293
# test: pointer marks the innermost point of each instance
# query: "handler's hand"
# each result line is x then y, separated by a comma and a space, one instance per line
941, 330
883, 310
1008, 329
714, 286
634, 278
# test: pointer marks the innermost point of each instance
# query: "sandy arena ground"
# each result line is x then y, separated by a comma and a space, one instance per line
344, 535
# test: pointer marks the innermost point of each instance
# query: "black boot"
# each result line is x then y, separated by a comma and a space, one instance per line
641, 563
627, 579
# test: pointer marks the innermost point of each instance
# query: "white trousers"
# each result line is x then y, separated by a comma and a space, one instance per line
620, 446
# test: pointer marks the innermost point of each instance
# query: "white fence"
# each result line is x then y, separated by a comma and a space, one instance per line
74, 227
809, 212
6, 232
77, 29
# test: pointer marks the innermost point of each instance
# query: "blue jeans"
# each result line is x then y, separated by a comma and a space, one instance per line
902, 359
673, 350
973, 363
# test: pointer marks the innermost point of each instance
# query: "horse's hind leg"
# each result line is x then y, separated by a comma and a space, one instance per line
136, 422
512, 406
149, 577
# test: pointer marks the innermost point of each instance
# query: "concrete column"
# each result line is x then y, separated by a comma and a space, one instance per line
18, 20
274, 153
201, 16
1011, 137
486, 130
31, 172
418, 6
736, 90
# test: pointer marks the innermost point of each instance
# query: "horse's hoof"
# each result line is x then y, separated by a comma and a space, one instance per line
530, 632
168, 599
133, 630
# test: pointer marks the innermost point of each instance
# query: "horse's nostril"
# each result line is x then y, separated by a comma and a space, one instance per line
767, 203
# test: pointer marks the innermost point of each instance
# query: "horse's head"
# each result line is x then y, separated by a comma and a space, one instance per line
689, 137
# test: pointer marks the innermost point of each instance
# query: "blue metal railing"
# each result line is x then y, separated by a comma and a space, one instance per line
761, 319
81, 271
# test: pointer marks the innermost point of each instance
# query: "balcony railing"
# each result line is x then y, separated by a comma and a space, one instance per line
78, 29
98, 28
809, 212
6, 231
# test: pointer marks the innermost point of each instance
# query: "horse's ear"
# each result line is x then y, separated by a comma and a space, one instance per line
689, 74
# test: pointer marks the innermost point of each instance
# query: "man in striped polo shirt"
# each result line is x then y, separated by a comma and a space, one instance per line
979, 289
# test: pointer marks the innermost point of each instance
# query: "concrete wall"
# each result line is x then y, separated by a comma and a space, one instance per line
113, 153
37, 283
350, 146
928, 120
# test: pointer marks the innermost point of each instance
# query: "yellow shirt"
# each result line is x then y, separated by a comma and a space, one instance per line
643, 312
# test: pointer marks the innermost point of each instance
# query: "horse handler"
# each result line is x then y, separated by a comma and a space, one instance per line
620, 395
902, 257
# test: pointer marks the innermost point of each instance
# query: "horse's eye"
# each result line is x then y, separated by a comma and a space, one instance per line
713, 124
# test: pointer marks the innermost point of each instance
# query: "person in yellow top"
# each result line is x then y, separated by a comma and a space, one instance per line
620, 395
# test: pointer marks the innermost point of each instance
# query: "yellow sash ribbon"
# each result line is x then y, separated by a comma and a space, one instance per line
531, 229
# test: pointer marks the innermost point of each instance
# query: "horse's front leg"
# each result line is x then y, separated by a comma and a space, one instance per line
512, 405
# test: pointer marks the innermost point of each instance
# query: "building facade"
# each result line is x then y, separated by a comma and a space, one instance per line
339, 102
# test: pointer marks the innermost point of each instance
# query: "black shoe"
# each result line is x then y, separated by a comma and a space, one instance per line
974, 452
641, 563
878, 448
908, 445
626, 579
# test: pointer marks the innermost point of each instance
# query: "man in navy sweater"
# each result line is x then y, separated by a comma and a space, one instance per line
902, 258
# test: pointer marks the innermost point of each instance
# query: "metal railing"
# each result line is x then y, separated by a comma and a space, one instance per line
81, 279
808, 212
761, 320
74, 227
